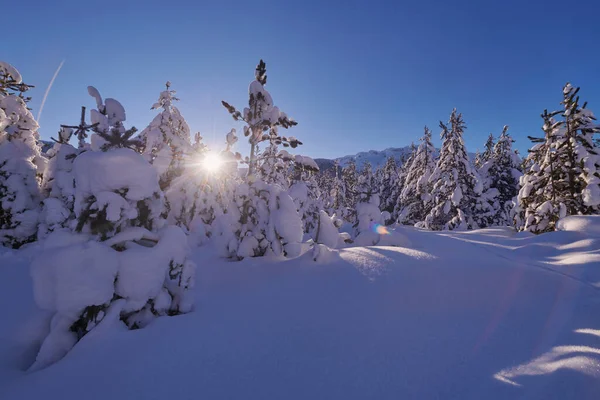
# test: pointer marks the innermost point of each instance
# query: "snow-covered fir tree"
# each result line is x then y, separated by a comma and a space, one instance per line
262, 118
500, 176
307, 196
58, 185
338, 193
539, 205
415, 196
121, 262
166, 141
21, 163
580, 154
455, 185
563, 175
262, 218
349, 181
489, 149
477, 161
368, 214
407, 161
274, 167
388, 180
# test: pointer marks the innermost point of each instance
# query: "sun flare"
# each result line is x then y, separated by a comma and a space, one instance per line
212, 162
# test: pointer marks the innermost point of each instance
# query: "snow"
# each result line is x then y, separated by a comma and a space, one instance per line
71, 273
101, 172
10, 70
468, 315
114, 111
584, 224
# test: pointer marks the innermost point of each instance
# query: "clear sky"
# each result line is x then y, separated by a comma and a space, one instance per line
356, 75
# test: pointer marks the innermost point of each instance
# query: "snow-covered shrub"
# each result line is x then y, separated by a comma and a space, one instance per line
121, 260
262, 219
20, 162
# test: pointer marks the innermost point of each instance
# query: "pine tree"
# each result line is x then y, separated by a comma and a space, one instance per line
563, 177
388, 180
489, 149
368, 214
539, 203
339, 193
580, 155
262, 119
415, 196
107, 122
20, 162
477, 162
349, 181
166, 141
308, 199
274, 166
58, 185
263, 218
500, 176
455, 185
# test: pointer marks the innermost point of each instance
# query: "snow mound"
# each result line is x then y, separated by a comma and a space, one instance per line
585, 224
99, 172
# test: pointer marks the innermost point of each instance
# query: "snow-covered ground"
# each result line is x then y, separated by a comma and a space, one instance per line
485, 314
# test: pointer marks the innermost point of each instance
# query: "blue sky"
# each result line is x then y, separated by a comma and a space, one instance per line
356, 75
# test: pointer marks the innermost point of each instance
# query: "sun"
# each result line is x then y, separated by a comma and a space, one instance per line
212, 162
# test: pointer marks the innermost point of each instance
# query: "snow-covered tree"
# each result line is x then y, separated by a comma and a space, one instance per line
389, 185
262, 119
455, 185
579, 153
367, 209
58, 185
539, 205
338, 193
20, 162
349, 181
563, 175
489, 149
308, 198
477, 161
500, 176
166, 141
121, 262
415, 196
262, 218
274, 167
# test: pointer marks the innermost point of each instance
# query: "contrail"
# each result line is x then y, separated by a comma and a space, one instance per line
48, 90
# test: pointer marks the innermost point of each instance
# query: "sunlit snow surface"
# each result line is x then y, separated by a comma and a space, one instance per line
485, 314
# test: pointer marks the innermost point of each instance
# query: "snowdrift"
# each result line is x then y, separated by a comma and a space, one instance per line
467, 315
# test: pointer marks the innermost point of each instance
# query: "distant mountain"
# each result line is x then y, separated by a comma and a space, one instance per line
377, 158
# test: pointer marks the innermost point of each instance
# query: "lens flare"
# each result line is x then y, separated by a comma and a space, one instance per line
381, 230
